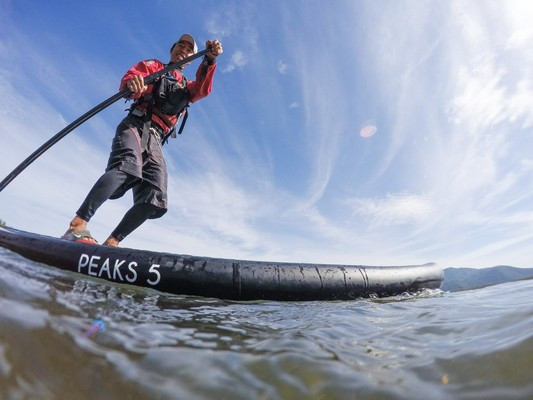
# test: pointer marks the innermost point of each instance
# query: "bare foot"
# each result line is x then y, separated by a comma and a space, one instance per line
111, 241
80, 225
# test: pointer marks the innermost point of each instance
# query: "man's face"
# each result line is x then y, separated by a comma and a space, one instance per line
181, 50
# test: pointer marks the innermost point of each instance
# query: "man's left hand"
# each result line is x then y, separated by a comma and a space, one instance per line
216, 49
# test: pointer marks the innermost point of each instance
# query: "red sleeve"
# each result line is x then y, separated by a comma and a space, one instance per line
143, 68
201, 87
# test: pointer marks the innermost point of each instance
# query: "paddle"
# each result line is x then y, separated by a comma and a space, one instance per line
91, 113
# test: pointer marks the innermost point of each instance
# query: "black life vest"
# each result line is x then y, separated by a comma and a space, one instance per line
169, 95
171, 98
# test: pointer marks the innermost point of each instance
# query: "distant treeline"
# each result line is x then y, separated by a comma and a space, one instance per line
2, 222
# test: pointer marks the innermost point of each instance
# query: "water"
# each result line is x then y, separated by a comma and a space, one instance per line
476, 344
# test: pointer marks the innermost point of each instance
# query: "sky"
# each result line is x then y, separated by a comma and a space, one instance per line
379, 132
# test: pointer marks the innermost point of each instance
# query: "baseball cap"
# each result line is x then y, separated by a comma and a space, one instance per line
189, 39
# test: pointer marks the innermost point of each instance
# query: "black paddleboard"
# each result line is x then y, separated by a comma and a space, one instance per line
222, 278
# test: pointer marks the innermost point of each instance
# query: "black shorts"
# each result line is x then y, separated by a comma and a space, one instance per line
147, 170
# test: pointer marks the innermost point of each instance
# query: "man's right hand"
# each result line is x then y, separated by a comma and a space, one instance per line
136, 84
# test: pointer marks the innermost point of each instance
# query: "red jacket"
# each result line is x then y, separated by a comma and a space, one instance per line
198, 89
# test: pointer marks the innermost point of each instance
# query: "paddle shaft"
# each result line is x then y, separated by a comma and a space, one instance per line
91, 113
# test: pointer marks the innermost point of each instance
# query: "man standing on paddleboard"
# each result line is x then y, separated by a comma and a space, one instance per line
136, 160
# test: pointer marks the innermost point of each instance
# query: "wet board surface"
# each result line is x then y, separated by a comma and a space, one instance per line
222, 278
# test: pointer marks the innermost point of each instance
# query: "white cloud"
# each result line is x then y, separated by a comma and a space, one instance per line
220, 27
494, 82
214, 203
394, 209
238, 61
282, 67
484, 100
235, 23
480, 102
519, 15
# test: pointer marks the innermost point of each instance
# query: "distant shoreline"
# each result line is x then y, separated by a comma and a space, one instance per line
457, 279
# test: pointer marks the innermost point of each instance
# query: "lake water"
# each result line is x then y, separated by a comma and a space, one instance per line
64, 336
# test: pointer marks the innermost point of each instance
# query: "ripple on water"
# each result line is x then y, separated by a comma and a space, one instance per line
473, 344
